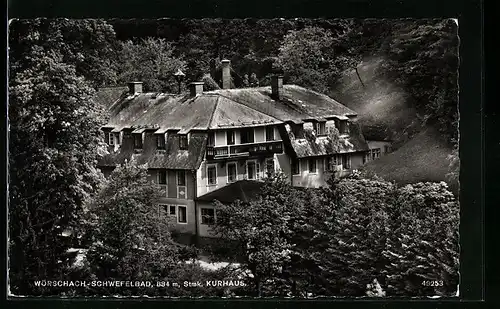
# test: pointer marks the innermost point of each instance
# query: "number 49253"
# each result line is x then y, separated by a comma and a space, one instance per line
432, 283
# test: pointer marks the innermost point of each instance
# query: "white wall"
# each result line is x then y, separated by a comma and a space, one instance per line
379, 144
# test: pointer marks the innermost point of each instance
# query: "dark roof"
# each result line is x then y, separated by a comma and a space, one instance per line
109, 95
297, 103
171, 158
243, 190
320, 146
222, 108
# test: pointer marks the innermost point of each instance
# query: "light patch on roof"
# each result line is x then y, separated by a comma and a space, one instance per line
139, 130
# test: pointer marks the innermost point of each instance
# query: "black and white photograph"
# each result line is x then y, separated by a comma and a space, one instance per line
288, 158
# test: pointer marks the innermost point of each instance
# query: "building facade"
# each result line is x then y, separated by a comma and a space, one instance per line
199, 145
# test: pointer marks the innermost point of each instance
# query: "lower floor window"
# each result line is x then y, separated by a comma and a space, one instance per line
295, 167
375, 153
207, 216
253, 170
346, 161
270, 167
182, 214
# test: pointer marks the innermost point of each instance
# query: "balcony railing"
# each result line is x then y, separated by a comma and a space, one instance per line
244, 150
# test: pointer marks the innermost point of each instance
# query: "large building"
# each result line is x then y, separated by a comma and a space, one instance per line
203, 144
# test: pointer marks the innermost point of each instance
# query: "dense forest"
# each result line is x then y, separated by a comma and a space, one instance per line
55, 68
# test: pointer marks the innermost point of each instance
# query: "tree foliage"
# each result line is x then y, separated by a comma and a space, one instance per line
131, 236
358, 236
89, 45
151, 61
53, 151
311, 57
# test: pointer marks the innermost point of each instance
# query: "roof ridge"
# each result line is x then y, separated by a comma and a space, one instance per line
230, 99
213, 112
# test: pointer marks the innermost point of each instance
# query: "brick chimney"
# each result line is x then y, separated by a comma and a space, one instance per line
226, 74
277, 87
135, 87
195, 88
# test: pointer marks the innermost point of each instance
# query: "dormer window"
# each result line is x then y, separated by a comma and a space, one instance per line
320, 128
183, 142
343, 128
137, 141
160, 141
298, 130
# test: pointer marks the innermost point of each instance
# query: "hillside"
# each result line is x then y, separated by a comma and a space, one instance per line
423, 158
379, 102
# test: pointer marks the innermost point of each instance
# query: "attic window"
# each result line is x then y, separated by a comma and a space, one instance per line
183, 142
160, 141
320, 128
343, 129
137, 141
298, 130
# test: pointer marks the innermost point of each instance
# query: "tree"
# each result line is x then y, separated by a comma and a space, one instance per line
151, 61
131, 236
310, 57
89, 45
261, 230
354, 235
422, 250
422, 57
54, 142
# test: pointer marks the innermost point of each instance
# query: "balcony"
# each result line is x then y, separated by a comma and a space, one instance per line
244, 150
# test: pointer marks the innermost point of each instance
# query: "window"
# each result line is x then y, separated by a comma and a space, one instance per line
211, 139
160, 141
321, 128
106, 137
387, 148
111, 139
295, 167
313, 168
346, 161
252, 170
137, 141
343, 128
247, 135
162, 177
375, 153
211, 175
269, 133
366, 157
181, 178
230, 137
183, 142
207, 216
170, 210
231, 172
330, 163
298, 130
181, 214
270, 167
